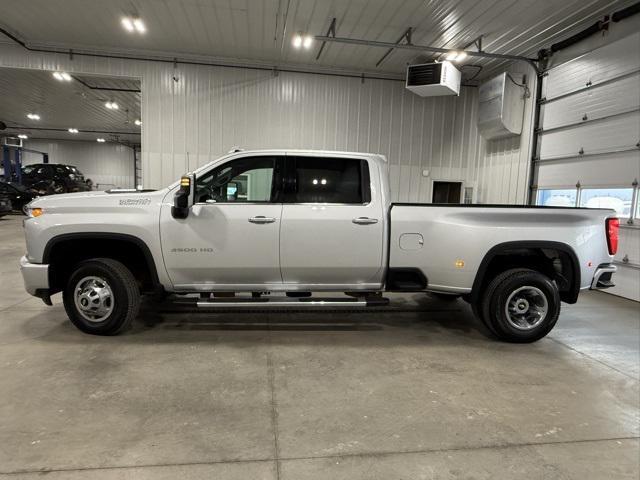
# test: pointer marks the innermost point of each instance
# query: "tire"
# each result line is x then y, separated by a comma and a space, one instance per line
481, 306
110, 295
531, 298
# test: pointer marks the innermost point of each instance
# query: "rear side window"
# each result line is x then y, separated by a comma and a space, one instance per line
329, 180
73, 170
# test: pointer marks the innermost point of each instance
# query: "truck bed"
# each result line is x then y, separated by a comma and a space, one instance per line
448, 243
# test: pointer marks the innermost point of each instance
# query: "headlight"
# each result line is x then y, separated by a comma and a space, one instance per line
34, 212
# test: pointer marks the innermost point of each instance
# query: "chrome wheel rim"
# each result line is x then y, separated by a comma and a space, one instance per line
526, 308
94, 299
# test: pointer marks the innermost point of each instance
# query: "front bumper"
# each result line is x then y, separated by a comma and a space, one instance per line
35, 276
602, 277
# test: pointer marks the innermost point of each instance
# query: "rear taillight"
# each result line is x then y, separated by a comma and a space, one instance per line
613, 228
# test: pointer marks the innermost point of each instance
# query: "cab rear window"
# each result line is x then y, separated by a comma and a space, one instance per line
330, 180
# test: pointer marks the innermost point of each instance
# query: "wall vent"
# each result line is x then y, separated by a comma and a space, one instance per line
501, 107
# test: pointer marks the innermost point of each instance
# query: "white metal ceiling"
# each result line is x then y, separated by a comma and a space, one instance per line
261, 30
63, 105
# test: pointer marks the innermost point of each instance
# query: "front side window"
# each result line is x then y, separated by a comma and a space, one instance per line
243, 180
330, 180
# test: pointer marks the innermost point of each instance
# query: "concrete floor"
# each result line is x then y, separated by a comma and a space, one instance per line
418, 393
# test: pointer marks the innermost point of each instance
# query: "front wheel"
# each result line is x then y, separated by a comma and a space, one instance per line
520, 305
101, 297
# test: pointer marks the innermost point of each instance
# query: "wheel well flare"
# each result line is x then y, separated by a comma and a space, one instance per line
63, 253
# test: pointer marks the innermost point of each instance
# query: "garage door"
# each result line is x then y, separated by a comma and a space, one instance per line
589, 150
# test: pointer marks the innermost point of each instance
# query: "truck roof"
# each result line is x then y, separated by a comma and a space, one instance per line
294, 151
380, 160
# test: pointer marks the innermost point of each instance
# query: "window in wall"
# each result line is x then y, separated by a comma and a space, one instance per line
244, 180
330, 180
557, 198
619, 199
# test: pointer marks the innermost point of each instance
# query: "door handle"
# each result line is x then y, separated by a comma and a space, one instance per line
364, 220
260, 219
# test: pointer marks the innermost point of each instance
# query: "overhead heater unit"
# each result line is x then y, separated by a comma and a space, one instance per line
501, 107
433, 79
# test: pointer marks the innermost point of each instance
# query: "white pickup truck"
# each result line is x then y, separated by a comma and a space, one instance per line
297, 222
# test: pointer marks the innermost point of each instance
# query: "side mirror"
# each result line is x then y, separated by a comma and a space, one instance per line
183, 199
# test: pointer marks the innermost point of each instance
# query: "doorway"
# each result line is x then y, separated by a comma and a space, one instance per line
447, 192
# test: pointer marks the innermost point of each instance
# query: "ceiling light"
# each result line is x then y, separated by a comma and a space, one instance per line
62, 76
454, 56
307, 41
100, 140
139, 25
22, 136
451, 56
127, 23
297, 40
111, 105
33, 116
137, 122
73, 130
133, 24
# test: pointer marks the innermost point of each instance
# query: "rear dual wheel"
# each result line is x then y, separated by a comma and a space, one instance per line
520, 305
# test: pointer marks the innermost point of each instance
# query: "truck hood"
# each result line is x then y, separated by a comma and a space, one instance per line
97, 201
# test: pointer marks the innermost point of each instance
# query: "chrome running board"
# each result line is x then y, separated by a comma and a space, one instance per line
285, 302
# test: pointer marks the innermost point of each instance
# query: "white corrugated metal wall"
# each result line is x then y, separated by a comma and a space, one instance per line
108, 165
589, 143
210, 110
207, 110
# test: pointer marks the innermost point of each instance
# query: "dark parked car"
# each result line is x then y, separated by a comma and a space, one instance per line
49, 178
5, 205
19, 196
